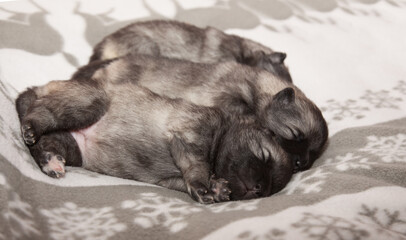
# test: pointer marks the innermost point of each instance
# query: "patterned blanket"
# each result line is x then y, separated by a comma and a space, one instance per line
347, 56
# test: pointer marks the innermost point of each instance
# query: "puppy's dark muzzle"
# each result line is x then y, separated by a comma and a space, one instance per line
255, 192
243, 192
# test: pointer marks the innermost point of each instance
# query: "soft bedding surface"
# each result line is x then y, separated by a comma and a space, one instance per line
347, 56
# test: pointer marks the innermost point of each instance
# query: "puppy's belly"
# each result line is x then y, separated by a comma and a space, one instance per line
84, 140
114, 151
82, 137
87, 140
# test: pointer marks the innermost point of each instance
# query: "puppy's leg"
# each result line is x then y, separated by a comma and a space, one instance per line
55, 150
195, 170
218, 187
25, 101
175, 183
62, 105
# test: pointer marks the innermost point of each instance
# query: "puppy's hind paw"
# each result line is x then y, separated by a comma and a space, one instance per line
53, 165
28, 133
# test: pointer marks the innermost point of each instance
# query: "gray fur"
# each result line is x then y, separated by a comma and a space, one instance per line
134, 133
280, 106
299, 127
179, 40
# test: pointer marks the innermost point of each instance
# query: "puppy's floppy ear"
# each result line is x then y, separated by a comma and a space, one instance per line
285, 96
277, 57
258, 148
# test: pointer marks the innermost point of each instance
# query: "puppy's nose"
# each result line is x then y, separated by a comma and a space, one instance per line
300, 163
257, 188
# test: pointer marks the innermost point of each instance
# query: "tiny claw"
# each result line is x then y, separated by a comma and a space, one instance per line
208, 199
201, 191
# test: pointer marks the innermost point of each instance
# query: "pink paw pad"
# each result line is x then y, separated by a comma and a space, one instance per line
55, 166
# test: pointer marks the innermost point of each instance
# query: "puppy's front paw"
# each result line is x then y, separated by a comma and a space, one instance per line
220, 189
28, 133
53, 165
200, 193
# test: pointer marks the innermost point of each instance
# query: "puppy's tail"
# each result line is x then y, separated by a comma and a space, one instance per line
24, 102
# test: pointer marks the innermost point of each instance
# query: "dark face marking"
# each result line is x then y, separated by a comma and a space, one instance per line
300, 129
298, 152
248, 176
245, 161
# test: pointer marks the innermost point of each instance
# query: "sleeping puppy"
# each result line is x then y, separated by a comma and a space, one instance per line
298, 125
179, 40
280, 107
103, 122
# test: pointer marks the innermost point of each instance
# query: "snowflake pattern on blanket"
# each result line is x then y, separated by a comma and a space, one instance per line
347, 56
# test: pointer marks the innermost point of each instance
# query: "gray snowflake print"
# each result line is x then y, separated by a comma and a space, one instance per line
381, 99
349, 161
306, 182
18, 214
323, 227
341, 110
388, 148
386, 222
152, 210
234, 206
272, 234
401, 87
71, 221
11, 134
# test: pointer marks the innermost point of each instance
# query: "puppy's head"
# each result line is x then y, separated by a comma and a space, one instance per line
254, 165
298, 126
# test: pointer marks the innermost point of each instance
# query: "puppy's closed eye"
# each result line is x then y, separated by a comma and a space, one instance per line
297, 134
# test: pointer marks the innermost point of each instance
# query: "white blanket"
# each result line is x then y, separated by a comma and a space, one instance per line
347, 56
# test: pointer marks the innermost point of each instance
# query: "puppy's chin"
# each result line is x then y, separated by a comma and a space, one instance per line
238, 190
244, 189
244, 195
